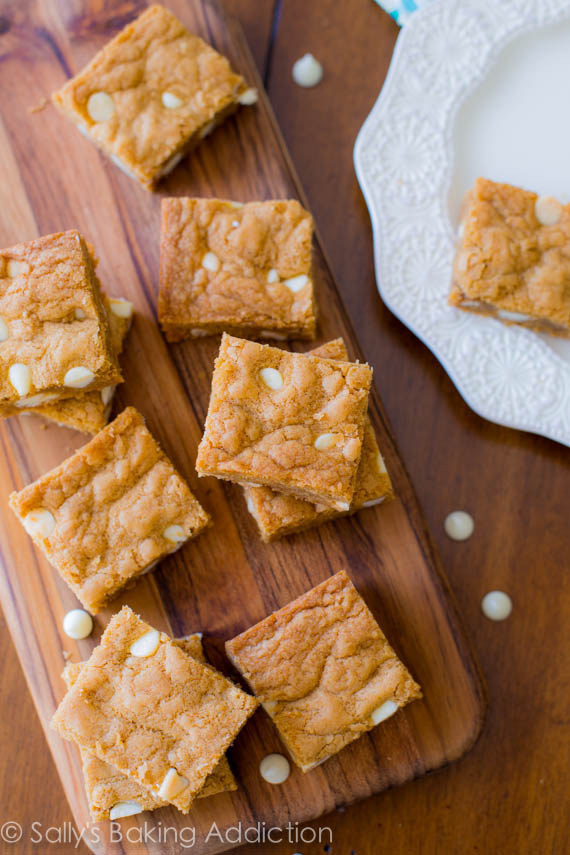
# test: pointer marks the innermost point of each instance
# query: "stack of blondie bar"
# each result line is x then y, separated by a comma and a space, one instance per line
293, 430
151, 719
60, 335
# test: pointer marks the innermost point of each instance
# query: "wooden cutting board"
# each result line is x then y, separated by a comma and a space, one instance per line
51, 179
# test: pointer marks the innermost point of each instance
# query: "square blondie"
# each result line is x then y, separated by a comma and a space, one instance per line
154, 713
110, 512
243, 269
89, 412
151, 94
323, 671
110, 793
289, 421
278, 514
54, 331
513, 258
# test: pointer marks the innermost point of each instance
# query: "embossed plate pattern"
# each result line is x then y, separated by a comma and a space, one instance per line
404, 158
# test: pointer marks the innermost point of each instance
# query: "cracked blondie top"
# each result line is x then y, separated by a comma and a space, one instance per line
513, 259
323, 670
110, 512
54, 332
277, 514
289, 421
108, 789
151, 94
244, 269
154, 713
89, 412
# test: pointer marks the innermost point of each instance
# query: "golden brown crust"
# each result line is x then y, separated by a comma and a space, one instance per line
105, 786
248, 242
153, 55
147, 714
321, 666
89, 412
111, 503
278, 514
44, 285
258, 435
508, 264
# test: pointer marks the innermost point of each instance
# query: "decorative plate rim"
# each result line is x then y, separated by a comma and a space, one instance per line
498, 370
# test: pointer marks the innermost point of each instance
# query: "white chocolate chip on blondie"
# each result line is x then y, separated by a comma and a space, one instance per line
121, 308
384, 711
146, 645
272, 276
171, 101
172, 785
20, 378
16, 268
122, 809
324, 441
78, 377
211, 262
4, 332
39, 522
548, 210
175, 533
100, 106
272, 378
296, 283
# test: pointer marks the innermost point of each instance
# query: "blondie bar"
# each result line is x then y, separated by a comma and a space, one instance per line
244, 269
89, 412
110, 512
289, 421
278, 514
513, 258
110, 793
151, 94
154, 713
323, 670
54, 331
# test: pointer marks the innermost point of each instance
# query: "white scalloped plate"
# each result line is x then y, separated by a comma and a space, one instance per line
475, 87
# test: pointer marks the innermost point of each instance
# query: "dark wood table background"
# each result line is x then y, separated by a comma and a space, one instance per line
510, 794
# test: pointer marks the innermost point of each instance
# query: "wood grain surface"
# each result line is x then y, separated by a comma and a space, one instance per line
227, 579
508, 795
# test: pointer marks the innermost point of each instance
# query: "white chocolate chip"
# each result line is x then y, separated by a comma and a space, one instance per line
171, 101
296, 283
352, 449
235, 204
384, 711
80, 314
172, 785
548, 210
248, 97
496, 605
324, 441
272, 276
459, 525
20, 378
211, 262
15, 268
271, 377
100, 106
174, 533
78, 377
39, 523
235, 224
381, 465
78, 624
516, 317
372, 502
343, 506
37, 400
107, 394
199, 333
121, 308
122, 809
146, 645
4, 332
170, 164
275, 768
250, 505
307, 71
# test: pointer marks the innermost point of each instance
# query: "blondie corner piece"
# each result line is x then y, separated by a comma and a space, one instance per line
513, 258
110, 512
89, 412
154, 713
54, 331
151, 94
323, 671
244, 269
111, 794
289, 421
278, 514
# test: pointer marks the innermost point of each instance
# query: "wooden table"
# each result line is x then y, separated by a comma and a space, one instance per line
508, 795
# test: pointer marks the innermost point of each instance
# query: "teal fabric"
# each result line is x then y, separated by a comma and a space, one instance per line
401, 10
